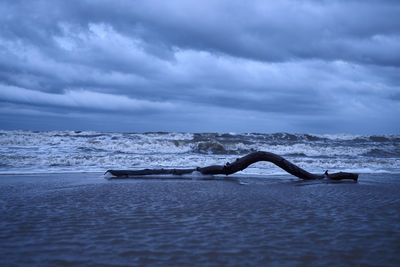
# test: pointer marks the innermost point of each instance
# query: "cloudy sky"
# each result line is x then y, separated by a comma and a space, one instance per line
201, 66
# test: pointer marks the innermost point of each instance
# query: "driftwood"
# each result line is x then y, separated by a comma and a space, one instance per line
239, 165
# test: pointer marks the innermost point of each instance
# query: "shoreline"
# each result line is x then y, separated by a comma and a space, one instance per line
370, 177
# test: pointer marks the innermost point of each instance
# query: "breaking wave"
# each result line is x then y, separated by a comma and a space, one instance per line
80, 151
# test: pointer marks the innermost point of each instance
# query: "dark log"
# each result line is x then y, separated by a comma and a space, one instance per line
239, 165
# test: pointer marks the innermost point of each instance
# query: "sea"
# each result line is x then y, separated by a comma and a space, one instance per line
56, 208
24, 152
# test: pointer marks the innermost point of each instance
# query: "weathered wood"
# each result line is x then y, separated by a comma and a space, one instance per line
150, 172
239, 165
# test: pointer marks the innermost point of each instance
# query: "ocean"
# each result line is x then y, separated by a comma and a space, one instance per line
24, 152
58, 210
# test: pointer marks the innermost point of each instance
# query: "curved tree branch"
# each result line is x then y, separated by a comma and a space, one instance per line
239, 165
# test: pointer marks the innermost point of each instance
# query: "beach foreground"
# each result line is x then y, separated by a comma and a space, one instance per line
63, 219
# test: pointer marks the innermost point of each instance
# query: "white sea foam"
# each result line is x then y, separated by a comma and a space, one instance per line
72, 151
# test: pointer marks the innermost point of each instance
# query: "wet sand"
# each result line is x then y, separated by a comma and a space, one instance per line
83, 219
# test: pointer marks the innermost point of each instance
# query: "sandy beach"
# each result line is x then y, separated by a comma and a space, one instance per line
83, 219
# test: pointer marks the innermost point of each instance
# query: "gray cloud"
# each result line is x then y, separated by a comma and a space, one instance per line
177, 65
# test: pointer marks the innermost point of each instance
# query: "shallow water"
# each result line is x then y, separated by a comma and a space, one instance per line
65, 219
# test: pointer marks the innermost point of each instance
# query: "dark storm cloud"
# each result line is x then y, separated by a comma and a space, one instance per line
298, 61
282, 30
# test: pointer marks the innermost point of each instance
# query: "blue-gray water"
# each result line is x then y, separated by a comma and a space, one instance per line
57, 208
83, 219
76, 151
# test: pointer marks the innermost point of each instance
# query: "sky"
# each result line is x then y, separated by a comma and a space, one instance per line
303, 66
